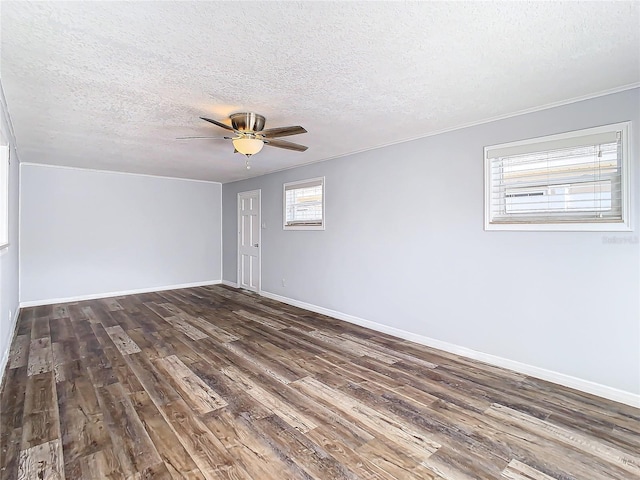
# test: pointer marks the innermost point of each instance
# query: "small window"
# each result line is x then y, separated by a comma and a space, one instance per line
572, 181
304, 205
4, 196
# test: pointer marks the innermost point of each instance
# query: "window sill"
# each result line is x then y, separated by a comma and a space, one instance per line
560, 227
303, 227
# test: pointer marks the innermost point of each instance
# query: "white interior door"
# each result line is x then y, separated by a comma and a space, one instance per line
249, 240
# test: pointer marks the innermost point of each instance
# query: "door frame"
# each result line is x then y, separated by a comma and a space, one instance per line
238, 222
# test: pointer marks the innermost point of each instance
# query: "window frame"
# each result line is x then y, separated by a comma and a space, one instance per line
5, 154
552, 223
284, 204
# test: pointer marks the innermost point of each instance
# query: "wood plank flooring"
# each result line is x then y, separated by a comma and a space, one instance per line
216, 383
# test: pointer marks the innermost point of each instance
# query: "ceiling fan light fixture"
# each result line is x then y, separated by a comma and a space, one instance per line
248, 146
251, 135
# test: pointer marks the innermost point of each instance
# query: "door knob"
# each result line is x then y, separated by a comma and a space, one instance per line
255, 244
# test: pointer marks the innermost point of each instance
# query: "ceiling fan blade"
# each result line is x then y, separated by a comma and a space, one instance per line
189, 138
282, 131
284, 144
220, 124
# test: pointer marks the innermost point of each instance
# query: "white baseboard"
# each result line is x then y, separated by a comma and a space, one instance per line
587, 386
94, 296
5, 355
229, 284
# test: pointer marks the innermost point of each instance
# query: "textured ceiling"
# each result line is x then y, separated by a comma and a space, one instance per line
110, 85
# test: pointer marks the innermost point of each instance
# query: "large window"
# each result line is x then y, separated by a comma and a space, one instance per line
572, 181
304, 205
4, 196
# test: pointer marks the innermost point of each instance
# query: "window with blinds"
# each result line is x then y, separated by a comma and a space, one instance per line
572, 181
4, 196
304, 205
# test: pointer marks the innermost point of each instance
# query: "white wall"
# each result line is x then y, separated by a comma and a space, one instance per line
88, 233
9, 255
404, 247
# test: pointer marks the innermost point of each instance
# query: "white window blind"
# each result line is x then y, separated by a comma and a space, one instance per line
4, 196
304, 204
576, 178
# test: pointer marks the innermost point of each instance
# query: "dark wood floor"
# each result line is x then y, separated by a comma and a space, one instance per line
212, 382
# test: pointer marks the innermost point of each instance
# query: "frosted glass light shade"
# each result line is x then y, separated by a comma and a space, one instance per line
248, 146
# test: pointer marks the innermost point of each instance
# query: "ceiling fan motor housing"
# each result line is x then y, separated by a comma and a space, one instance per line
247, 122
